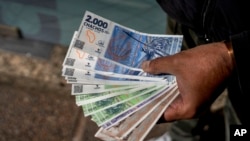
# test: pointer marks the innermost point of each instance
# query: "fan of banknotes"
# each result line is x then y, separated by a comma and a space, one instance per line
103, 65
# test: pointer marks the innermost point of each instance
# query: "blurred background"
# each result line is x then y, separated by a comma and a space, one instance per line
55, 21
36, 103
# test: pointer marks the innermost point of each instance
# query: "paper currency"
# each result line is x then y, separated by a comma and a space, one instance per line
99, 105
130, 107
124, 128
90, 98
147, 124
90, 89
80, 60
103, 65
101, 68
115, 113
112, 82
97, 75
122, 45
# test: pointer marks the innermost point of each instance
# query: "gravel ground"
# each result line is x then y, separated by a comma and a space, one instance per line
35, 100
28, 114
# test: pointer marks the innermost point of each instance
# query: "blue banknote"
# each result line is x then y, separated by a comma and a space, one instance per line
131, 48
120, 49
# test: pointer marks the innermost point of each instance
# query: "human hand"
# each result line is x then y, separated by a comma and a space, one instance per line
200, 72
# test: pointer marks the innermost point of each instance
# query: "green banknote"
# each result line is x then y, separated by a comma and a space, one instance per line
94, 107
110, 113
89, 98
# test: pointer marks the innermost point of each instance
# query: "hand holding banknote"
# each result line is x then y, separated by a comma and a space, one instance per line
103, 65
199, 85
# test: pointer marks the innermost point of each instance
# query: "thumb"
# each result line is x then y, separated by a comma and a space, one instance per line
175, 110
158, 65
180, 109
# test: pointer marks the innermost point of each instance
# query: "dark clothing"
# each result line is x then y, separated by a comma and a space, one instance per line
218, 20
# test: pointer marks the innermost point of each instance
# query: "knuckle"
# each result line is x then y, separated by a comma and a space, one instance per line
153, 65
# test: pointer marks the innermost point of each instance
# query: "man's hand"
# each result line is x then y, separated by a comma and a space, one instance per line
200, 73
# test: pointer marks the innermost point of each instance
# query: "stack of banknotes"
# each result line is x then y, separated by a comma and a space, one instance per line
103, 65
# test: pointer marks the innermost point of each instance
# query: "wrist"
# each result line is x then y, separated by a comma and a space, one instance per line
230, 51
